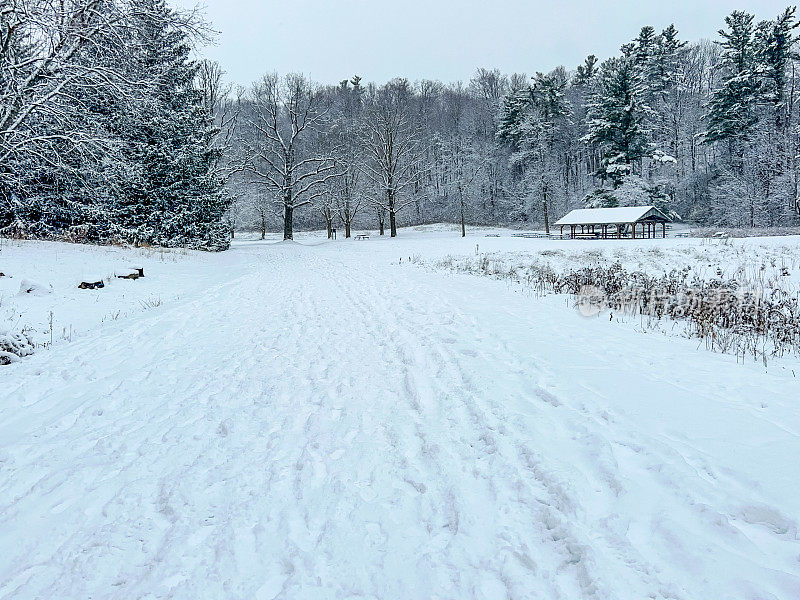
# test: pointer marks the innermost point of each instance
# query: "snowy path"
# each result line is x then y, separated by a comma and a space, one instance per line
330, 425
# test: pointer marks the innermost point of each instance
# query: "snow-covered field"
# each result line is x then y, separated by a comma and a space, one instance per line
331, 420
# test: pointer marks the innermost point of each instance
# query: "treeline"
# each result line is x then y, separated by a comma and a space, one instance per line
106, 125
707, 131
110, 133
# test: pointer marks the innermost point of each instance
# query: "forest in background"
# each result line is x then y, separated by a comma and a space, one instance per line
111, 132
707, 131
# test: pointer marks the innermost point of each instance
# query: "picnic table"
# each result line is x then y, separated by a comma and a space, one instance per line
530, 234
362, 236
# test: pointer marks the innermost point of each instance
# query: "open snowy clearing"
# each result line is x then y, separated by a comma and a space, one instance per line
325, 420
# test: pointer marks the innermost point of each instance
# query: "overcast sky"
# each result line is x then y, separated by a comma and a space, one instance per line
441, 39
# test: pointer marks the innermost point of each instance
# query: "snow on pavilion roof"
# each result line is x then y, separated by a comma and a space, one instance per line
601, 216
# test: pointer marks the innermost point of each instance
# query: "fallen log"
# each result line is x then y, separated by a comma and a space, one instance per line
133, 273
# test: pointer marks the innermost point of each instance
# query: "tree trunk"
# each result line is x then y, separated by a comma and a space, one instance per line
263, 226
392, 217
546, 218
347, 228
288, 211
329, 226
463, 224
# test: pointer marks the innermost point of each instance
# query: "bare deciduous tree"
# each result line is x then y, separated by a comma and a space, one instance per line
218, 102
348, 192
284, 114
392, 142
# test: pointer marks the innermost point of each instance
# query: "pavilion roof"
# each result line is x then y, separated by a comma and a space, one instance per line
611, 216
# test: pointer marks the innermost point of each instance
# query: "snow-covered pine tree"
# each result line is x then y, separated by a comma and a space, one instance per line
617, 117
661, 74
169, 193
585, 73
534, 125
583, 157
775, 47
645, 46
746, 120
512, 117
732, 112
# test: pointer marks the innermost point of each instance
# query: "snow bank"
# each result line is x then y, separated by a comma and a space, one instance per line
34, 289
39, 292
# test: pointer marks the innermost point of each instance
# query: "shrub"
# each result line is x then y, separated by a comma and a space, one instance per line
14, 346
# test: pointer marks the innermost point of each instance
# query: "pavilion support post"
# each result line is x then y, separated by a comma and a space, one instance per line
663, 230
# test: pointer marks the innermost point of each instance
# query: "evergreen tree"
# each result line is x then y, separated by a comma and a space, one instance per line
513, 113
585, 73
168, 193
732, 113
775, 43
665, 61
775, 47
617, 114
645, 46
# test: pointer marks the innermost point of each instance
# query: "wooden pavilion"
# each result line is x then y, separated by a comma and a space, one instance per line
629, 222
